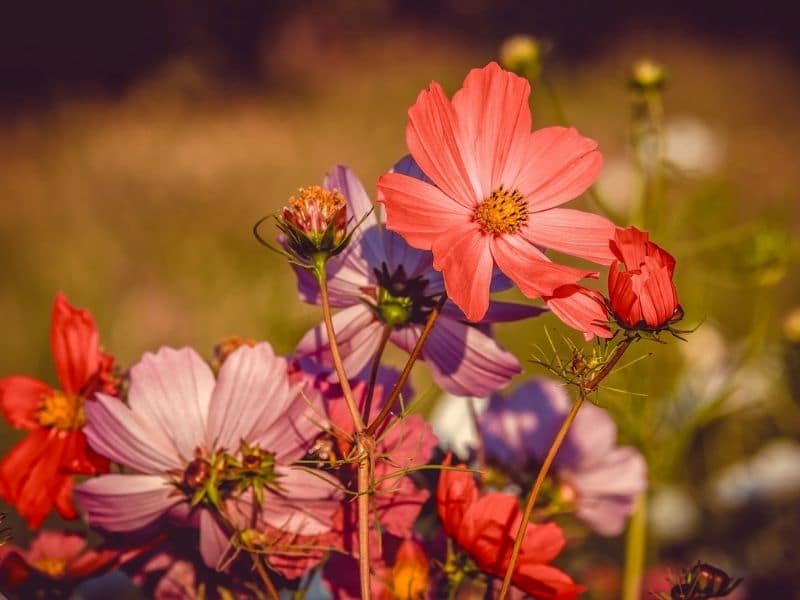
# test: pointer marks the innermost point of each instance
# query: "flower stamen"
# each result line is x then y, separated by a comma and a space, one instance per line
62, 411
504, 211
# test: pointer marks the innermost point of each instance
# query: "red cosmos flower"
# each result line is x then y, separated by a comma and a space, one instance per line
483, 528
643, 295
495, 192
36, 474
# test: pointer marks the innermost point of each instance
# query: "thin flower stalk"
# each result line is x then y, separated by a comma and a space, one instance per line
584, 390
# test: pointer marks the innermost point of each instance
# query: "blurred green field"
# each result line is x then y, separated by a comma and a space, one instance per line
140, 207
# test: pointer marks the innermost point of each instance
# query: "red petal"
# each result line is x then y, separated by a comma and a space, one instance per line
75, 343
20, 397
455, 493
581, 309
572, 232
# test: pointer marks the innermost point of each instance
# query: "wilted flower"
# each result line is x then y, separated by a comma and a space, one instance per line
183, 433
483, 526
378, 282
494, 194
37, 474
314, 222
600, 479
643, 295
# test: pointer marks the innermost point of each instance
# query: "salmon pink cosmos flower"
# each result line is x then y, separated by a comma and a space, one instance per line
643, 295
494, 193
37, 474
482, 526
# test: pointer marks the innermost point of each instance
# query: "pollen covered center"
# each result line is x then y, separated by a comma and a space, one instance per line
505, 211
62, 411
54, 567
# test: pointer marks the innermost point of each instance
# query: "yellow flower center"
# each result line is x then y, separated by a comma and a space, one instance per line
53, 567
62, 411
505, 211
409, 582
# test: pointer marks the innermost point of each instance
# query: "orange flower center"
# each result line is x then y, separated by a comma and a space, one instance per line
505, 211
62, 411
409, 581
316, 200
53, 567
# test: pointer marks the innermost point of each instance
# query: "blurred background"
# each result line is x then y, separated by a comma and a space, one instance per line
139, 142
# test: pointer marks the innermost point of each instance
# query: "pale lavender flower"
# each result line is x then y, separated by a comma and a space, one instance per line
602, 479
178, 412
379, 279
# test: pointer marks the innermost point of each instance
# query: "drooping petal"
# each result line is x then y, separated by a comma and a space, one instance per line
435, 141
63, 497
357, 332
126, 437
417, 210
562, 164
306, 503
75, 343
171, 389
118, 502
467, 362
581, 309
546, 582
531, 270
20, 398
463, 256
573, 232
214, 541
494, 118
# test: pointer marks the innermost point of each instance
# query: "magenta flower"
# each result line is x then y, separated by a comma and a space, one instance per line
179, 421
380, 280
601, 479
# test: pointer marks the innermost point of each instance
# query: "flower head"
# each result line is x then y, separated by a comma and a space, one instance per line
315, 221
202, 447
598, 478
640, 287
37, 474
493, 191
482, 527
379, 281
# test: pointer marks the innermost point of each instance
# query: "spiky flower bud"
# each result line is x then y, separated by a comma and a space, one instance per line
315, 222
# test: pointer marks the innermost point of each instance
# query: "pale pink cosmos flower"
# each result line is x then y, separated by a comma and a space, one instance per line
378, 280
176, 412
494, 197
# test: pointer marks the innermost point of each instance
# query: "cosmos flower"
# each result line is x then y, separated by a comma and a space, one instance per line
482, 526
37, 474
192, 440
380, 281
643, 295
494, 195
600, 479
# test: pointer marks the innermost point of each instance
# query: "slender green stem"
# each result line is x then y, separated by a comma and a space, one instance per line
586, 389
373, 375
262, 572
336, 356
412, 358
635, 551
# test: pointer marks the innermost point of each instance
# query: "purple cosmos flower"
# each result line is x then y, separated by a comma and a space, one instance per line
379, 281
600, 478
179, 421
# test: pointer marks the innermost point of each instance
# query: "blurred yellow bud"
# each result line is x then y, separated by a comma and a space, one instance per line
647, 75
410, 572
522, 54
791, 326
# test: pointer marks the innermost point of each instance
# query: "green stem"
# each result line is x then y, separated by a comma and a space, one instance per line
635, 550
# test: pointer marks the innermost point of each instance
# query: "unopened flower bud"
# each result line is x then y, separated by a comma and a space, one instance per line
315, 221
647, 75
522, 55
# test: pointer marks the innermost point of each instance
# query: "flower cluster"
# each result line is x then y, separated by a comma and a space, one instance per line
252, 472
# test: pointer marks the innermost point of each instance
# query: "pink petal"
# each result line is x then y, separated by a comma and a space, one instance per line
251, 394
357, 332
573, 232
531, 270
417, 210
214, 541
128, 438
55, 544
494, 118
562, 164
592, 436
462, 255
171, 390
581, 309
306, 503
126, 502
437, 145
465, 361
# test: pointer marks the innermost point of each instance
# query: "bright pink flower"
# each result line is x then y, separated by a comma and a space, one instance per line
37, 474
494, 191
177, 412
643, 295
483, 527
